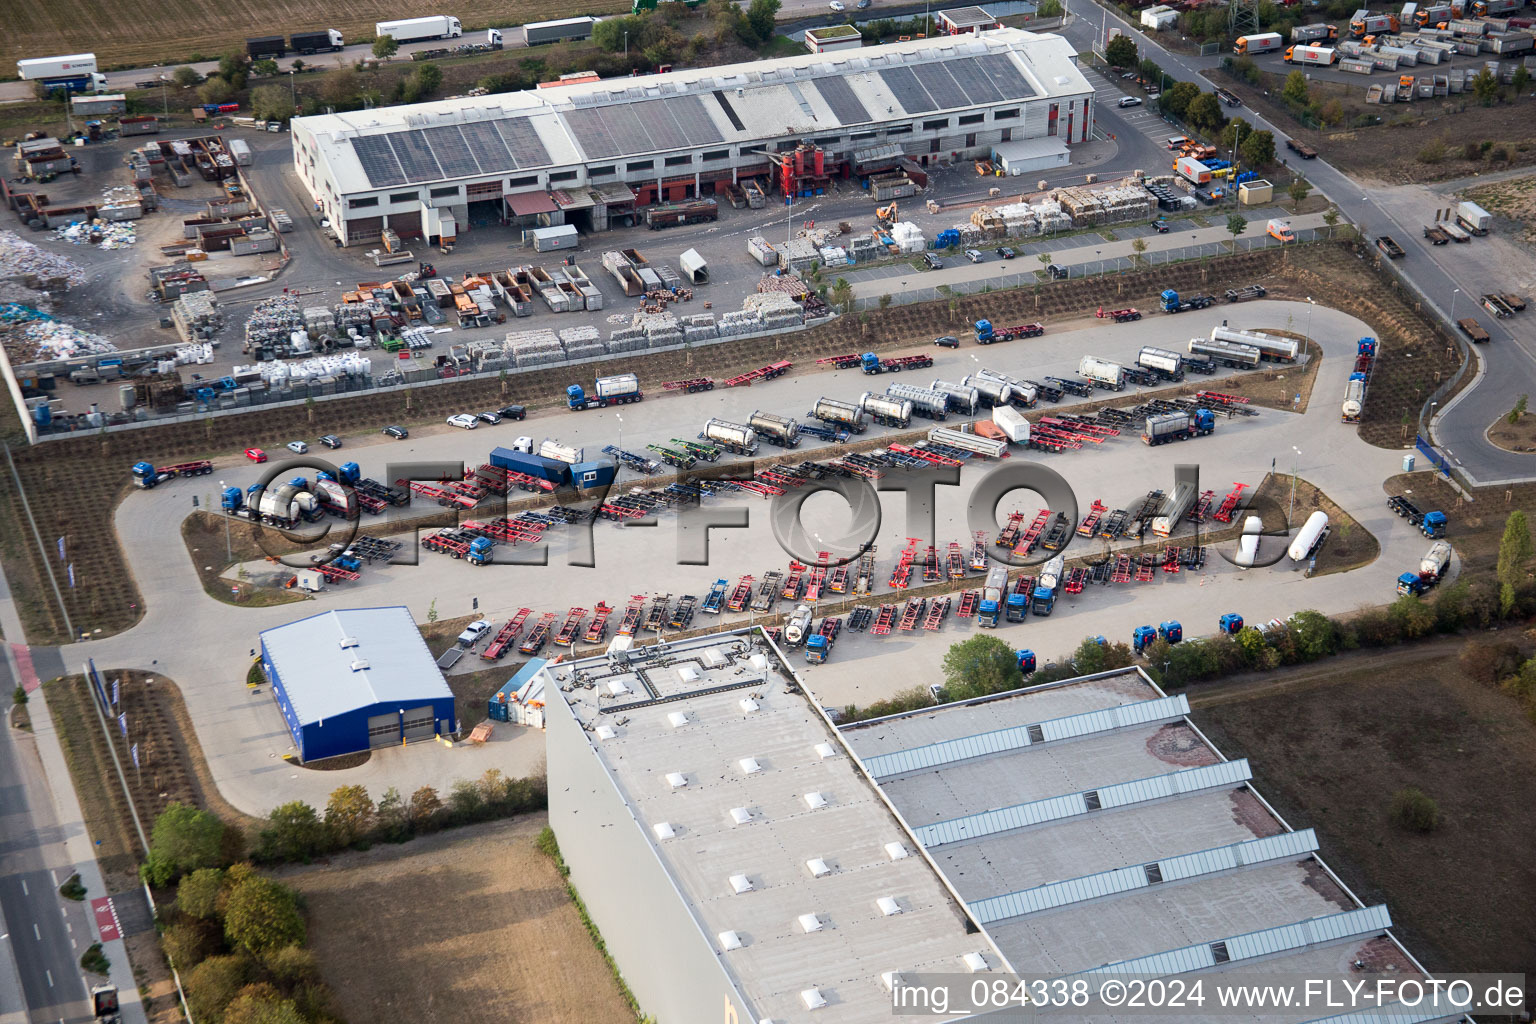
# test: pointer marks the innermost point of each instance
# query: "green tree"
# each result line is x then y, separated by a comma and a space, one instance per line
1521, 79
262, 915
231, 65
1296, 92
349, 814
1236, 225
1514, 550
1205, 113
185, 77
760, 19
391, 815
1150, 72
213, 984
426, 807
19, 696
430, 77
842, 294
265, 67
271, 103
1332, 112
1236, 131
1049, 9
1121, 52
608, 34
1518, 410
1178, 98
1255, 649
1092, 656
1257, 149
1485, 87
1298, 190
1413, 617
1413, 809
293, 832
198, 893
981, 665
1138, 246
340, 89
1331, 218
1316, 635
183, 839
262, 1004
187, 943
215, 90
385, 47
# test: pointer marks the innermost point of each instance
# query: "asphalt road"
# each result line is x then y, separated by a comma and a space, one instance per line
1438, 273
43, 931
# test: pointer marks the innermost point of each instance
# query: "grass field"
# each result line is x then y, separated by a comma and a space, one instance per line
137, 33
1332, 742
487, 935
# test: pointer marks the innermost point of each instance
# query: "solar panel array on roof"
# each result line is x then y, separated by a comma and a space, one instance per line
974, 81
453, 155
1005, 75
486, 146
908, 91
523, 142
844, 104
730, 112
378, 160
941, 86
416, 157
645, 127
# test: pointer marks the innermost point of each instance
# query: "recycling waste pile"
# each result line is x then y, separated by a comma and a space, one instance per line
20, 258
30, 336
100, 233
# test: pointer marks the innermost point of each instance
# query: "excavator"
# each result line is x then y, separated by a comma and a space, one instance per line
886, 216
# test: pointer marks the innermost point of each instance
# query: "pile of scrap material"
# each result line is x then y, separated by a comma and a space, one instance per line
20, 258
101, 233
31, 336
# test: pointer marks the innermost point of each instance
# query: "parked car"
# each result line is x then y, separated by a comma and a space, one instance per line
490, 417
948, 341
838, 6
974, 256
1056, 271
932, 262
473, 632
1160, 226
298, 447
862, 5
398, 433
1006, 252
1130, 101
256, 455
330, 440
464, 420
513, 412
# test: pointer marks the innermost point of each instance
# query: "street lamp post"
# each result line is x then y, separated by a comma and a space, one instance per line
1291, 512
621, 430
165, 104
1454, 292
229, 549
1310, 304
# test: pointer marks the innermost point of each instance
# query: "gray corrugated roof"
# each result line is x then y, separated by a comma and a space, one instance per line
317, 671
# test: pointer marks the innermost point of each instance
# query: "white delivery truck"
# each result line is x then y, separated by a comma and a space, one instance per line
409, 30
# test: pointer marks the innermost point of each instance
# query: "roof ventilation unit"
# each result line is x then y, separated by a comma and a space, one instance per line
974, 962
888, 905
664, 830
891, 979
741, 883
606, 732
677, 780
825, 750
748, 705
749, 766
818, 868
348, 641
813, 999
677, 719
729, 940
810, 923
740, 815
896, 851
815, 801
359, 664
617, 686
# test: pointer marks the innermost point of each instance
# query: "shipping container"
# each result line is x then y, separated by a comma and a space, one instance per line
410, 29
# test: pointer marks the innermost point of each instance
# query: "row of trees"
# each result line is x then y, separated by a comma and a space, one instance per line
186, 839
985, 664
658, 36
237, 939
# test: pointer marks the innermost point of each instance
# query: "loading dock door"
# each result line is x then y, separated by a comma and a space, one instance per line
383, 730
419, 723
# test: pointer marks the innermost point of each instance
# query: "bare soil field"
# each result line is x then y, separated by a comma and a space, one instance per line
1519, 436
73, 497
1389, 151
135, 33
1332, 742
1514, 200
488, 935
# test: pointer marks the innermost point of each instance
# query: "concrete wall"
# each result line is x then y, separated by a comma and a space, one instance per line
665, 958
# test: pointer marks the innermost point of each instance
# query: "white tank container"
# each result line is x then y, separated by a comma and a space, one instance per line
1311, 530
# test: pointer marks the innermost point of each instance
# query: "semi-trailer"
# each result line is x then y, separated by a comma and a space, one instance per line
1472, 329
1456, 231
147, 475
1177, 426
1317, 56
72, 73
1022, 392
992, 393
1262, 42
733, 437
1271, 347
1435, 236
775, 429
321, 41
1166, 364
1248, 548
962, 397
1301, 149
842, 414
1309, 537
1012, 423
1354, 398
1432, 569
1102, 373
926, 402
1473, 218
992, 593
1171, 302
1430, 524
986, 333
558, 452
407, 30
1389, 248
619, 389
886, 411
992, 448
1321, 32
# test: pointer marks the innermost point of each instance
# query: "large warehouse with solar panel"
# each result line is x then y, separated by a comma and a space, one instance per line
591, 153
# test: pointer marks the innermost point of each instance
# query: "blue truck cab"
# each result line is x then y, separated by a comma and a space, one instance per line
986, 614
1170, 300
1410, 583
481, 551
1026, 661
1171, 631
1205, 421
349, 473
1018, 607
1367, 347
145, 475
817, 648
1043, 601
1433, 524
1142, 637
870, 362
231, 499
983, 331
1230, 623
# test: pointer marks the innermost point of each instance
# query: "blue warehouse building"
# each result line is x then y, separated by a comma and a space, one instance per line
354, 679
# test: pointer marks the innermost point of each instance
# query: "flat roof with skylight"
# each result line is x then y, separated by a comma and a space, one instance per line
810, 890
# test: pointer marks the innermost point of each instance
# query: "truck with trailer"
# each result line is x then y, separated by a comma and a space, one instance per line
72, 73
962, 397
1102, 373
1316, 56
992, 593
1272, 348
886, 411
839, 414
619, 389
736, 438
926, 402
147, 475
1160, 428
1171, 303
326, 40
410, 30
775, 429
1363, 23
1473, 218
1432, 568
986, 333
1430, 524
1261, 42
1321, 32
1166, 364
